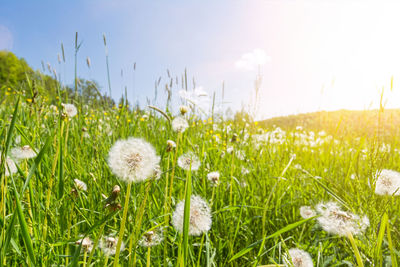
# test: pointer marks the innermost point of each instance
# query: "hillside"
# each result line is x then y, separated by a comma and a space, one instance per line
342, 122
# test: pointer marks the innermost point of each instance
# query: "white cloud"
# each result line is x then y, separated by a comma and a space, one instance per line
6, 38
252, 60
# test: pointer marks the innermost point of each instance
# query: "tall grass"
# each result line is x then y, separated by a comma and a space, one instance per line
255, 207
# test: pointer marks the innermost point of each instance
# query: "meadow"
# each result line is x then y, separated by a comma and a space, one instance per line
66, 200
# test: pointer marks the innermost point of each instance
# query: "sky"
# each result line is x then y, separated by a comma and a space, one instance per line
309, 55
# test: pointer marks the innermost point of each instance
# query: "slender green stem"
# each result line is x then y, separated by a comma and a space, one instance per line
186, 217
148, 257
121, 230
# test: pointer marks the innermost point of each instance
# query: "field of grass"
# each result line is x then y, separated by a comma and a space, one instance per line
266, 176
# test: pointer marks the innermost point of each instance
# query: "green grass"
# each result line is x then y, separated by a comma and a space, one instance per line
255, 215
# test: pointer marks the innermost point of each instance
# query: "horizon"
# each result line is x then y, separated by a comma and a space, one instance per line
311, 55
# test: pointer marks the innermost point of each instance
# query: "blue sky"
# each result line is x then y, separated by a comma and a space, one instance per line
322, 54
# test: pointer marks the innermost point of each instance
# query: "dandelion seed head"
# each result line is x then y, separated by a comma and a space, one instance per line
298, 258
179, 124
151, 239
183, 110
307, 212
387, 182
157, 172
80, 185
70, 110
10, 167
87, 244
109, 245
189, 161
133, 159
170, 145
25, 152
336, 221
200, 216
213, 177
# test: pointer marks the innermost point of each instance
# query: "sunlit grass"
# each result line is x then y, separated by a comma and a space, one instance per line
265, 177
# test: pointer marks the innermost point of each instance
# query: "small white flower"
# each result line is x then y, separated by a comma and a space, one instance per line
80, 185
109, 245
179, 124
298, 258
70, 110
189, 161
387, 182
25, 152
213, 177
133, 159
307, 212
200, 216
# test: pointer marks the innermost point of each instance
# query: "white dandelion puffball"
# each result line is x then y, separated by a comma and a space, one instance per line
179, 124
70, 110
9, 166
183, 109
133, 159
298, 258
87, 244
109, 245
189, 161
307, 212
338, 222
170, 145
151, 239
80, 185
213, 177
387, 183
25, 152
200, 216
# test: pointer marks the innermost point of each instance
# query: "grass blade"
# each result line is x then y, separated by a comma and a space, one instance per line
24, 229
277, 233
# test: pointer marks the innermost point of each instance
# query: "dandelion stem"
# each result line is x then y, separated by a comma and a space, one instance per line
138, 226
201, 247
186, 217
174, 165
148, 256
231, 185
121, 230
166, 210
